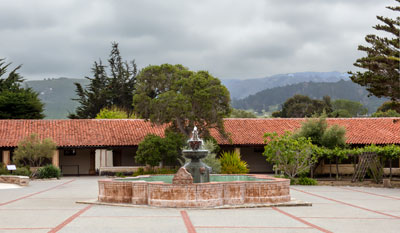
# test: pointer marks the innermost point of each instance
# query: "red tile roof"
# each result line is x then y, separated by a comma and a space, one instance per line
358, 130
97, 133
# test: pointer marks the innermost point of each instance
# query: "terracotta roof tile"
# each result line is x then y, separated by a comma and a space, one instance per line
98, 133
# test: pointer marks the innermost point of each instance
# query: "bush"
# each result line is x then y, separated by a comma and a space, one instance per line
211, 159
33, 151
232, 164
4, 171
154, 149
48, 171
21, 171
306, 181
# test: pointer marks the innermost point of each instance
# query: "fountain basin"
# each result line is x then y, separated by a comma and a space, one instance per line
156, 191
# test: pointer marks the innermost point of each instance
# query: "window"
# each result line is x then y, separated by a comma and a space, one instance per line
69, 152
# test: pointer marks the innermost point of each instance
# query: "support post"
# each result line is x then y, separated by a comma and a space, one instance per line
56, 158
6, 157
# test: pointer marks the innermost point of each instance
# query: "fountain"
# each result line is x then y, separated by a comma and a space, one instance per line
193, 186
199, 170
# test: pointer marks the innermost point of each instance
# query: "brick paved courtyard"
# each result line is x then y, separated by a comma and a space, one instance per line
49, 206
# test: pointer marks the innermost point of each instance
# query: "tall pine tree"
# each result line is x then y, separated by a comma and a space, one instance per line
17, 102
382, 61
107, 90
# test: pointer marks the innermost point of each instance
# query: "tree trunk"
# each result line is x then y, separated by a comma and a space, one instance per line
337, 168
312, 171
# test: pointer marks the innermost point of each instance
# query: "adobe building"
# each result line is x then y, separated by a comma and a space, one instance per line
87, 146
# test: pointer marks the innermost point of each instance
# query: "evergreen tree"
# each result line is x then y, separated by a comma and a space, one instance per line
17, 102
107, 90
382, 61
303, 106
174, 94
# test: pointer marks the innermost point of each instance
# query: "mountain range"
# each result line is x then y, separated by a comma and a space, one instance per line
242, 88
257, 94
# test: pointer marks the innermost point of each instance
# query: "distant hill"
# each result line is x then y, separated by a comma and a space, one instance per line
242, 88
56, 94
269, 99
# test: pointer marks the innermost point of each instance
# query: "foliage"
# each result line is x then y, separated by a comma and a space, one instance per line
211, 159
353, 108
388, 113
291, 155
113, 113
317, 130
231, 163
154, 150
22, 171
314, 129
303, 106
334, 136
382, 77
305, 181
340, 113
389, 105
174, 94
17, 102
48, 171
238, 113
3, 169
33, 151
106, 89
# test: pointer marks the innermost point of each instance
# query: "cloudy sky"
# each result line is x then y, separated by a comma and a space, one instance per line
229, 38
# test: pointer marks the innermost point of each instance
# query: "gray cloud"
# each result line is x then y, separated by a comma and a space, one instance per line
231, 39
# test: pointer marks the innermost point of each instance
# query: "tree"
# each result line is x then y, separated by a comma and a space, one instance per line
343, 108
174, 94
107, 89
389, 113
382, 77
154, 149
389, 105
303, 106
291, 155
113, 113
330, 140
17, 102
33, 151
238, 113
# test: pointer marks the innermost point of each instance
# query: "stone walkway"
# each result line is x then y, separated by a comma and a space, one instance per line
49, 206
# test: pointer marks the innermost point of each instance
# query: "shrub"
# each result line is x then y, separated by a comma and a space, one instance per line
33, 151
290, 155
211, 159
4, 171
306, 181
22, 171
232, 164
154, 149
48, 171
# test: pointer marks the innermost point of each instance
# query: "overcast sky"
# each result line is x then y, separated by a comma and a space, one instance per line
231, 39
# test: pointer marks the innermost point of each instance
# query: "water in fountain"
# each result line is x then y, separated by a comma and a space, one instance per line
199, 170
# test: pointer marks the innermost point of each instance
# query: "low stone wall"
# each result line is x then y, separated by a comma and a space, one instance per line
20, 180
131, 169
274, 190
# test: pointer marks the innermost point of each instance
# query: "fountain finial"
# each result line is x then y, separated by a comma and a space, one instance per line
195, 142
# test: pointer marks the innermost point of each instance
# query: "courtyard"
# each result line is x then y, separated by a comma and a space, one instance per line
50, 206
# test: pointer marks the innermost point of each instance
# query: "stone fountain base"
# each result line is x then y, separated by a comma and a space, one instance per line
268, 190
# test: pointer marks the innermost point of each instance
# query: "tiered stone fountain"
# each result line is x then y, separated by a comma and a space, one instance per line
192, 186
199, 170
